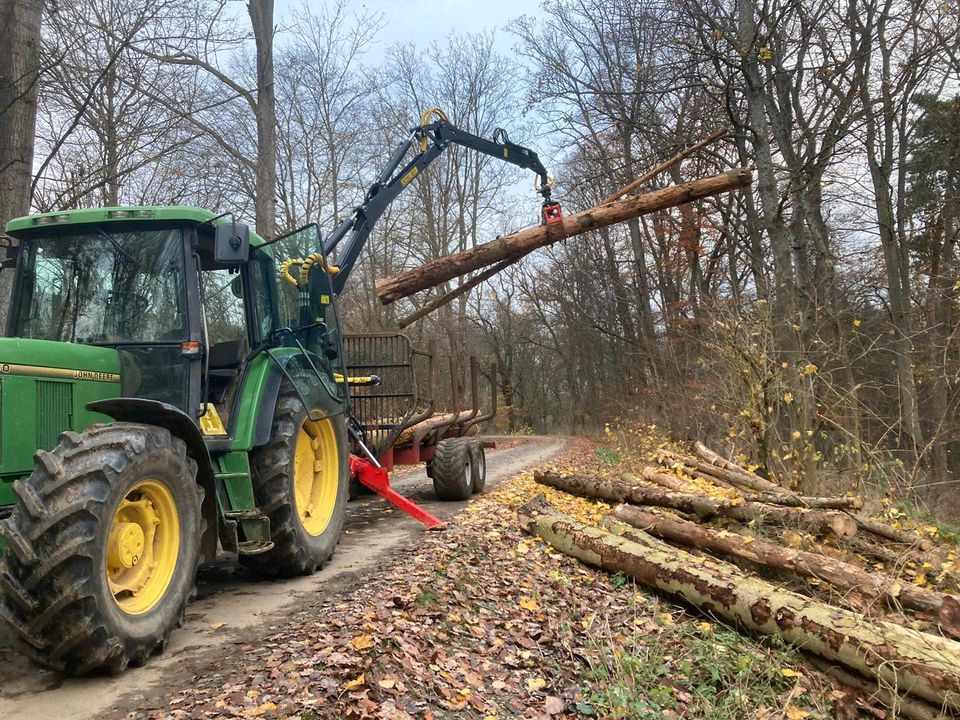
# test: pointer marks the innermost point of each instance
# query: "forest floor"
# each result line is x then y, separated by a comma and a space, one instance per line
483, 621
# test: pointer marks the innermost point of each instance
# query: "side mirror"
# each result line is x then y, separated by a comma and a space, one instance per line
231, 245
8, 252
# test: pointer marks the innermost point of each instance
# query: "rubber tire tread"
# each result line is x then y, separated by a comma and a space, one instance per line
450, 481
294, 551
478, 464
57, 612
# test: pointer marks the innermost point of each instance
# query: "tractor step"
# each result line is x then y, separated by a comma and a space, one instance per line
255, 547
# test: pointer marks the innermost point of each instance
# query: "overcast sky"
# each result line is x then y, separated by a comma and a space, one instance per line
424, 21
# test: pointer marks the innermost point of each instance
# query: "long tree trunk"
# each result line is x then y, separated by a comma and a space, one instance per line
821, 521
261, 19
922, 664
20, 20
520, 243
843, 576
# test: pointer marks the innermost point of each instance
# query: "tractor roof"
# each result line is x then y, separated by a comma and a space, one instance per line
182, 213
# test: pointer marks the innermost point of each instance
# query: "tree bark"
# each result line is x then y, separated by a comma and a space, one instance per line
749, 479
891, 533
710, 471
406, 435
693, 472
820, 521
921, 664
265, 195
520, 243
843, 576
20, 20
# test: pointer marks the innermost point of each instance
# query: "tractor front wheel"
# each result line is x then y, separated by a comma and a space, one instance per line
301, 482
102, 548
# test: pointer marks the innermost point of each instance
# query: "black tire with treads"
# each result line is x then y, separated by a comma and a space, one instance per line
295, 552
451, 469
57, 603
478, 464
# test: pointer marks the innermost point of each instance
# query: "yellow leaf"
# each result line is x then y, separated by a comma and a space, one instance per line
920, 580
705, 626
362, 642
788, 398
536, 683
810, 369
529, 604
259, 710
765, 54
387, 683
787, 672
747, 539
857, 323
356, 682
895, 589
794, 713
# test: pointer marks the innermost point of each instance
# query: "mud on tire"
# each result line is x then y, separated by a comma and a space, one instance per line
295, 551
57, 604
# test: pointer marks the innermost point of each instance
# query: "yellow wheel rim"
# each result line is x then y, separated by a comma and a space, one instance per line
316, 475
143, 546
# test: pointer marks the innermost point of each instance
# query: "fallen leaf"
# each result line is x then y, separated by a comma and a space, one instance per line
362, 642
387, 683
787, 672
529, 604
356, 682
554, 705
536, 683
795, 713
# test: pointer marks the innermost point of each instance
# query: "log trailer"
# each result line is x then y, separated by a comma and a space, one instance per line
169, 386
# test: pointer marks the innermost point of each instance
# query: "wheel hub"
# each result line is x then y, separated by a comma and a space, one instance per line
126, 544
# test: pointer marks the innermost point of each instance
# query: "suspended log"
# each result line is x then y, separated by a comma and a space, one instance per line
945, 609
891, 533
924, 665
407, 434
518, 244
704, 506
747, 478
754, 483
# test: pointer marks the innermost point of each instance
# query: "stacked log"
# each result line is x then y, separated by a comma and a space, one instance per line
705, 532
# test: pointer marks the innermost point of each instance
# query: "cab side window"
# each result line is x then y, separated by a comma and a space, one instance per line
223, 305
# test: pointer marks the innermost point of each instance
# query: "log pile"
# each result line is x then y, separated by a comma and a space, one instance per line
763, 558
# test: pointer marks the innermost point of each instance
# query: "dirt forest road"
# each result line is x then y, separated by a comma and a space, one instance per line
233, 607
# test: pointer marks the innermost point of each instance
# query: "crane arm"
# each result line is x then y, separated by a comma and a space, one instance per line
430, 139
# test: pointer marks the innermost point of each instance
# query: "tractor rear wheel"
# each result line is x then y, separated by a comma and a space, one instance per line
452, 469
301, 482
102, 548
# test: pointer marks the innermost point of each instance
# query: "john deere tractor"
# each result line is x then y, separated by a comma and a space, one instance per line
168, 387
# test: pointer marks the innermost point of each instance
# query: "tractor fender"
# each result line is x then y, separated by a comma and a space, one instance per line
154, 412
263, 425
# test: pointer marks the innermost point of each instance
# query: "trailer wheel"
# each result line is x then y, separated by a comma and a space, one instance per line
301, 482
102, 548
478, 464
452, 469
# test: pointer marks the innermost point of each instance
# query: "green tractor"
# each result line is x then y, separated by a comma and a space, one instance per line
169, 388
179, 396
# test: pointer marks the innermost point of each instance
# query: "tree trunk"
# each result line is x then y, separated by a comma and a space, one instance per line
520, 243
261, 20
20, 20
891, 533
739, 478
922, 664
751, 480
406, 435
820, 521
689, 470
843, 576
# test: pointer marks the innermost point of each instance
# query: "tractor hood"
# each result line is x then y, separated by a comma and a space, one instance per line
44, 388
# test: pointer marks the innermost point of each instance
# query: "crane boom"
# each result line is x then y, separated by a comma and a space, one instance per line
431, 138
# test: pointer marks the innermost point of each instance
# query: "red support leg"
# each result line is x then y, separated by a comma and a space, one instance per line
376, 479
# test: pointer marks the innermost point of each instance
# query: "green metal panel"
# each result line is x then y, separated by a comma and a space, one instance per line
103, 215
235, 474
250, 403
44, 387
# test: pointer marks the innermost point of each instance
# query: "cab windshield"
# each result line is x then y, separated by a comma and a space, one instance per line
103, 286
